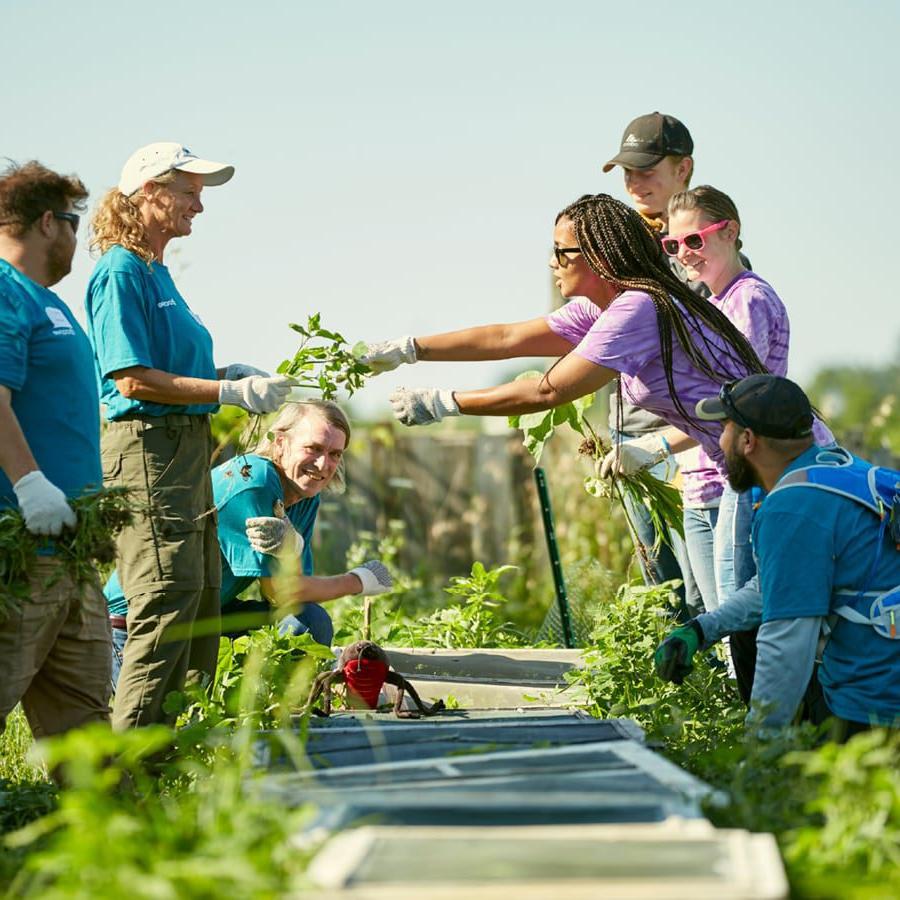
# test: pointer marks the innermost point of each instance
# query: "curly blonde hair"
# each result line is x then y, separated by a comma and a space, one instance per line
117, 220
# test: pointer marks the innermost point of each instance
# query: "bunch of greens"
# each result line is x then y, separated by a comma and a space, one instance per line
100, 517
662, 501
324, 361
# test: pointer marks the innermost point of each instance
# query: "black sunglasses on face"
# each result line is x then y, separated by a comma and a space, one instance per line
72, 218
560, 254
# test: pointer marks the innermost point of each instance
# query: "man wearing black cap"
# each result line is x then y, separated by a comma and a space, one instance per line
827, 565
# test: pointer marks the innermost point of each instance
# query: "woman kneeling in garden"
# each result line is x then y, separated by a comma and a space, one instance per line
267, 503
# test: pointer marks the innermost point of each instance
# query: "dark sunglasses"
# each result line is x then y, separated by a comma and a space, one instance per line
72, 218
560, 254
693, 241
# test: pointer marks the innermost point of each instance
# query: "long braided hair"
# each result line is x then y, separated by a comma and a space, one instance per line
624, 250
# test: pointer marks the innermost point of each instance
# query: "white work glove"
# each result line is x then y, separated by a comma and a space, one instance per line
374, 576
423, 406
632, 456
256, 394
43, 505
271, 535
240, 370
387, 355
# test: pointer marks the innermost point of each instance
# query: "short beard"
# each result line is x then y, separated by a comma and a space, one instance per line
59, 260
741, 476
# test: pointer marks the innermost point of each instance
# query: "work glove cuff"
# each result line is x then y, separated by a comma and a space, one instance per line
374, 577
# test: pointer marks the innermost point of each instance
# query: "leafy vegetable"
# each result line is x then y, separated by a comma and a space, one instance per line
101, 516
324, 361
662, 501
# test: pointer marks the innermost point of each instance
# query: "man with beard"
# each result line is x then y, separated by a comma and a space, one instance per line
55, 643
828, 566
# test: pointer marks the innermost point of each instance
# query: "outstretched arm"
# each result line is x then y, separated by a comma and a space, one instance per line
571, 378
530, 338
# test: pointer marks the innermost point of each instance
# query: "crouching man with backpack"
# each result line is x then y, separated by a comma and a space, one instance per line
826, 544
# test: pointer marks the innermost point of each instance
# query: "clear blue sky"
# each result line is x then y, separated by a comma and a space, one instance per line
400, 164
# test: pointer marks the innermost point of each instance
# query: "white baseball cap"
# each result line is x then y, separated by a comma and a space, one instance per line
156, 159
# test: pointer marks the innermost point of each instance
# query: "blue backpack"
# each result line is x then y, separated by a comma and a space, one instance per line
878, 489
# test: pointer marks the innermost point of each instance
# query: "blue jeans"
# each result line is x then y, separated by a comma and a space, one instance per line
700, 539
118, 648
735, 565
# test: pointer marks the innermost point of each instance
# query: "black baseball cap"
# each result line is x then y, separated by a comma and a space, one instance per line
648, 139
767, 404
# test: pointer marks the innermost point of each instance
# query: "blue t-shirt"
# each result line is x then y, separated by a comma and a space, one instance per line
136, 317
244, 487
46, 362
808, 543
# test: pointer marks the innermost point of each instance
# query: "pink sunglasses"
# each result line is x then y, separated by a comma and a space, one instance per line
693, 240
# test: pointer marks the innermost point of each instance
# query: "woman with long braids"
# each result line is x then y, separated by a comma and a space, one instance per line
634, 319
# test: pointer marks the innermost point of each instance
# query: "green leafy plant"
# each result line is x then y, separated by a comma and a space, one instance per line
854, 810
324, 361
662, 500
100, 517
473, 622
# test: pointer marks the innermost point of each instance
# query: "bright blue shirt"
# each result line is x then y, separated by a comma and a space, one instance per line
136, 317
808, 543
239, 494
46, 362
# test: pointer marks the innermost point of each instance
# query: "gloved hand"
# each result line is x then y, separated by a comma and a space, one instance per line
632, 456
387, 355
271, 534
42, 504
374, 577
422, 406
256, 393
240, 370
674, 656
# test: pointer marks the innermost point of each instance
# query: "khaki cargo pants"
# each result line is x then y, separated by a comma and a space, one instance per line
168, 560
55, 653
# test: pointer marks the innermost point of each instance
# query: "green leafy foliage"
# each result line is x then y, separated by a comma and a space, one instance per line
473, 622
662, 500
261, 677
537, 428
100, 517
324, 361
122, 829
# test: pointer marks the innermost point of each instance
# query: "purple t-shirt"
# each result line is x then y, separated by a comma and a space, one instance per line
758, 313
624, 337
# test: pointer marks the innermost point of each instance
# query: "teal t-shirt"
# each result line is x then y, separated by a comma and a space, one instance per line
136, 317
47, 364
244, 487
808, 543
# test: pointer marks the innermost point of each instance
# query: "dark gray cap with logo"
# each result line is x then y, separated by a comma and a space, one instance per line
650, 138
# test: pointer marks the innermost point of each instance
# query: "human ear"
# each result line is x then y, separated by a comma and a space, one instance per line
46, 223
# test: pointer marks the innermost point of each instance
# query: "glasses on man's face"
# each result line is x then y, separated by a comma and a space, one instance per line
694, 240
562, 260
72, 218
